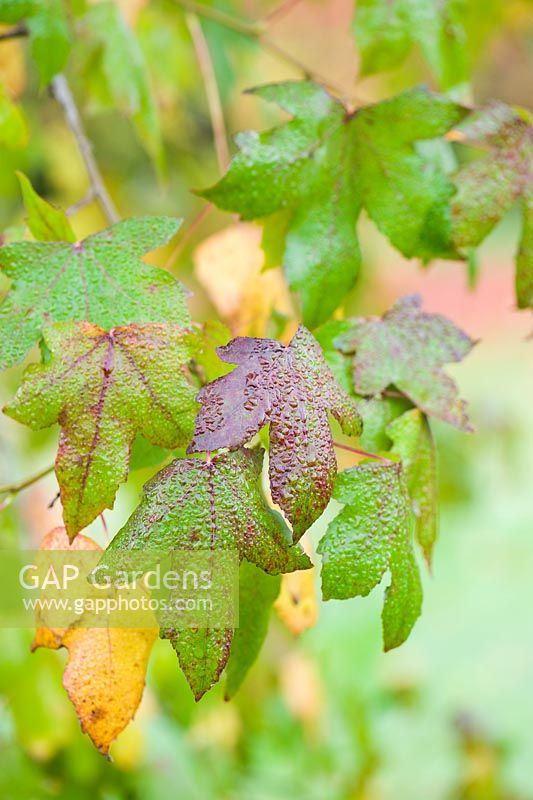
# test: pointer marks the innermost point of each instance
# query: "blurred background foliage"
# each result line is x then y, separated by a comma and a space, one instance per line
326, 715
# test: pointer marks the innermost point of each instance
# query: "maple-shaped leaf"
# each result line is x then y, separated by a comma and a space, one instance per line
323, 167
257, 592
372, 534
292, 389
212, 505
386, 31
100, 279
104, 388
488, 186
413, 442
106, 667
408, 347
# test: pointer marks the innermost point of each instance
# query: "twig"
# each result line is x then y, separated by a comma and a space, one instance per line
257, 31
363, 453
14, 488
211, 90
85, 201
181, 243
63, 95
15, 32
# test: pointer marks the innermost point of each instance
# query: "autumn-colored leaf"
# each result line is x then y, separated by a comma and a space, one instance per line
488, 186
212, 505
408, 348
104, 388
309, 179
105, 672
292, 389
229, 267
296, 604
100, 280
372, 534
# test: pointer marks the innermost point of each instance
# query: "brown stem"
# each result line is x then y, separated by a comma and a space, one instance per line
211, 89
363, 452
63, 95
14, 488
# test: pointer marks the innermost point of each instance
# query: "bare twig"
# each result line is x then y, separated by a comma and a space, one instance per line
88, 198
18, 486
211, 90
63, 95
15, 32
363, 453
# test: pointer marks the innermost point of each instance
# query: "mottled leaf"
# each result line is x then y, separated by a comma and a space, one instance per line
370, 535
103, 389
413, 442
46, 223
488, 186
326, 164
408, 348
105, 671
213, 505
257, 592
387, 30
292, 389
100, 280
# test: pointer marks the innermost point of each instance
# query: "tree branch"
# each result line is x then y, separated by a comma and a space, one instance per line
211, 89
63, 95
14, 488
15, 32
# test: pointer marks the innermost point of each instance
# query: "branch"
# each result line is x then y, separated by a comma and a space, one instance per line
257, 31
63, 95
363, 453
14, 488
14, 33
211, 89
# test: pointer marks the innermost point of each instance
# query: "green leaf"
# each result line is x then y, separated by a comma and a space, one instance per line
407, 348
488, 186
103, 389
372, 534
257, 593
46, 223
121, 63
101, 280
377, 413
217, 505
387, 31
292, 389
13, 128
326, 164
413, 442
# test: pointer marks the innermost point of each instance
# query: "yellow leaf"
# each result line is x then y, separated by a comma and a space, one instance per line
297, 605
105, 672
229, 267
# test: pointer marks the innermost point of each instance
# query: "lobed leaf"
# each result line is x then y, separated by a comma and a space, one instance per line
292, 389
408, 348
101, 280
209, 505
317, 172
103, 389
372, 534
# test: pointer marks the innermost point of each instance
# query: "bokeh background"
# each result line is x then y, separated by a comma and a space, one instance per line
327, 715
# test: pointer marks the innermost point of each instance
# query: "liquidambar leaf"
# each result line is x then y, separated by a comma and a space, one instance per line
370, 535
46, 223
386, 32
103, 389
413, 442
105, 672
323, 167
257, 592
213, 505
488, 186
292, 389
408, 348
100, 280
